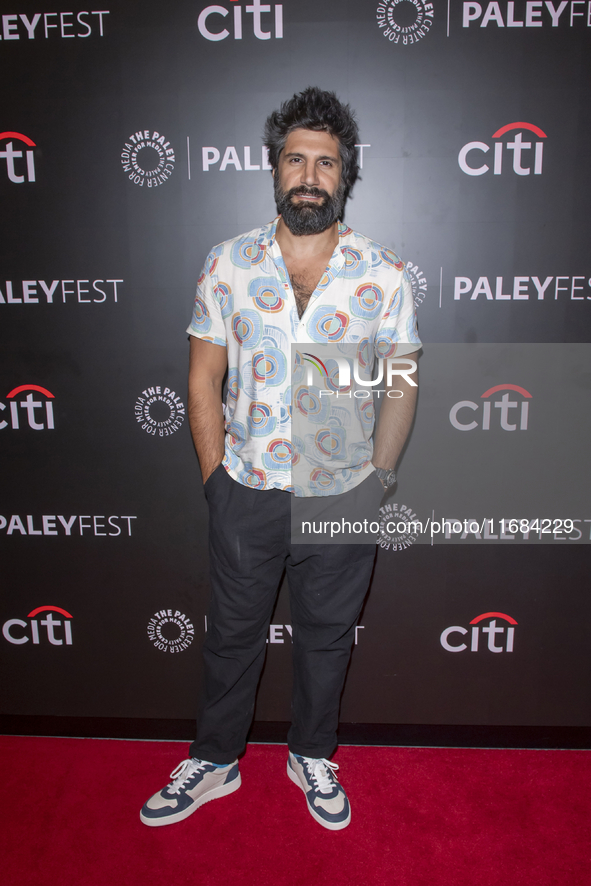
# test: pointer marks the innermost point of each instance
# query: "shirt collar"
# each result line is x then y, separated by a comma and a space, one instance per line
267, 237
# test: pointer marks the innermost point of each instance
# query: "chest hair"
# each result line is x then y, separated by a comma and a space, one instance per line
303, 287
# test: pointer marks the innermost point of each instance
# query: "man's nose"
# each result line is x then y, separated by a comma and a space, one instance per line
309, 174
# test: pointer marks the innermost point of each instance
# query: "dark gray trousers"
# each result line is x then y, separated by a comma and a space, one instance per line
250, 546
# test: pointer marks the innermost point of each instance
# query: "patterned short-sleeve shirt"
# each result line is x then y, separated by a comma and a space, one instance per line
245, 302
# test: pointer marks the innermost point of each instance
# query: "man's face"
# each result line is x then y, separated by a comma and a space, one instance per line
308, 189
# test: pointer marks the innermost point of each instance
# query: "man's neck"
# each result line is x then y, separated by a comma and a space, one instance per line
306, 246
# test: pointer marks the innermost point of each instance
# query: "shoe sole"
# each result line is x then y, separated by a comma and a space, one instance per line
221, 791
331, 825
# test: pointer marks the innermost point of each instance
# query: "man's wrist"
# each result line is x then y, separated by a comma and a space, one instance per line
386, 476
206, 472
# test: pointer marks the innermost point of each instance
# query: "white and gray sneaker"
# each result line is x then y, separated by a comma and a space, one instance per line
194, 782
327, 800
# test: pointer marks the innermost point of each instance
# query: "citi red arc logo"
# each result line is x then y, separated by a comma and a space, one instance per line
38, 414
507, 420
57, 632
25, 159
505, 634
521, 150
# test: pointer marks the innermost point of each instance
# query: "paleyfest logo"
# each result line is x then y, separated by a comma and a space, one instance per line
404, 21
160, 411
536, 14
148, 158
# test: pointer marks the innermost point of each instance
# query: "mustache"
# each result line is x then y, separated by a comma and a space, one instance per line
302, 191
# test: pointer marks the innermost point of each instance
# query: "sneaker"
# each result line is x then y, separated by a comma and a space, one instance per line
194, 783
327, 800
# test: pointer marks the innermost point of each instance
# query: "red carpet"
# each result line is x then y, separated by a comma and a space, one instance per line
419, 816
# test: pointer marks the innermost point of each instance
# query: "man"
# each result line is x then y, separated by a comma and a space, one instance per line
303, 279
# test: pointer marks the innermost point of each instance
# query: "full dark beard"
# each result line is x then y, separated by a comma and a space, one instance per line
308, 218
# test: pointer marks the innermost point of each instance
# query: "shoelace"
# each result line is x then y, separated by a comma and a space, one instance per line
322, 773
183, 773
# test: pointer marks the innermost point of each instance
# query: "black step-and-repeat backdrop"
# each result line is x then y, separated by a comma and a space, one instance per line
130, 144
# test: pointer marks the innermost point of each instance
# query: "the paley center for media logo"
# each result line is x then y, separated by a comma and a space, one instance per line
159, 411
170, 631
404, 22
148, 158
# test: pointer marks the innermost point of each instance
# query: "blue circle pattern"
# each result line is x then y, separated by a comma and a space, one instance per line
331, 442
201, 319
386, 343
355, 265
247, 328
365, 412
278, 455
269, 367
246, 252
237, 432
324, 482
266, 294
308, 402
260, 421
223, 293
367, 301
327, 324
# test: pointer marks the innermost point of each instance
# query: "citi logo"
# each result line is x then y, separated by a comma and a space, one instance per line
519, 148
504, 404
505, 634
209, 21
24, 168
34, 412
53, 630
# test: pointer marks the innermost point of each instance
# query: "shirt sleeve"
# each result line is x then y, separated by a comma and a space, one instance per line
398, 333
207, 321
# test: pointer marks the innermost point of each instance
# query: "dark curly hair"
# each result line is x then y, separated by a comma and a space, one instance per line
321, 112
